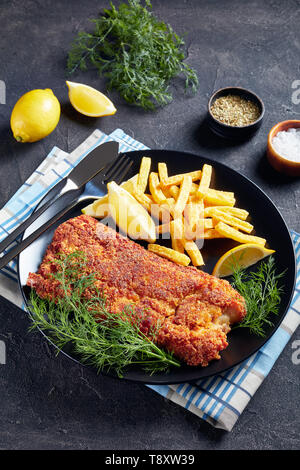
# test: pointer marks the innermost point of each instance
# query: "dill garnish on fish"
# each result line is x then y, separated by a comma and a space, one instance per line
101, 338
262, 293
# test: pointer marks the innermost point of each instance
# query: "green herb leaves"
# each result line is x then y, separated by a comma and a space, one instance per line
262, 295
115, 341
138, 54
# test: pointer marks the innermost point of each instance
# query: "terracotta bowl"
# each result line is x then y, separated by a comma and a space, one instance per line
281, 164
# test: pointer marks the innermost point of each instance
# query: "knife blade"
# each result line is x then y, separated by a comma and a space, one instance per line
4, 260
94, 162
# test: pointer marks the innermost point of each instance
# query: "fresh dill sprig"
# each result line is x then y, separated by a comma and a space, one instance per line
113, 341
261, 292
137, 53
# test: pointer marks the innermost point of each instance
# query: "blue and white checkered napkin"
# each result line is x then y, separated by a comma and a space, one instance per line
219, 399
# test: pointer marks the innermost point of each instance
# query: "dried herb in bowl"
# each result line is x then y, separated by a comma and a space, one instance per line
234, 110
137, 53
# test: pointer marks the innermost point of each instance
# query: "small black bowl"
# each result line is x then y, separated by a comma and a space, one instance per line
235, 132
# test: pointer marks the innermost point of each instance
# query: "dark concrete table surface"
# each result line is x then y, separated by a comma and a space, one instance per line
48, 402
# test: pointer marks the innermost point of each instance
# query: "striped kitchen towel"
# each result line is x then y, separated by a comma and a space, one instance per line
219, 399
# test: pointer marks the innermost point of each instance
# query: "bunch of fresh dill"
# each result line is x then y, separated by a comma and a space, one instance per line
113, 341
262, 293
137, 53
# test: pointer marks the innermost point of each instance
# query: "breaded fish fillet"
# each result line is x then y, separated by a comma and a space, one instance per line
192, 308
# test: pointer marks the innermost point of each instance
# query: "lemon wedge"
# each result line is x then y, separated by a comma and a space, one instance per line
244, 255
130, 215
98, 208
89, 210
89, 101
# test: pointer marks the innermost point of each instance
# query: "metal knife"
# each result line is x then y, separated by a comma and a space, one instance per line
94, 162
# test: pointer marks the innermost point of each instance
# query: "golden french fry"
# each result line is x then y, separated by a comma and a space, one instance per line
164, 211
175, 180
233, 221
183, 196
212, 233
194, 253
194, 189
186, 211
194, 220
205, 180
208, 224
163, 173
161, 212
143, 174
177, 229
169, 253
170, 204
191, 217
155, 190
166, 192
228, 194
177, 245
235, 211
219, 198
144, 199
162, 228
230, 232
174, 191
170, 201
177, 234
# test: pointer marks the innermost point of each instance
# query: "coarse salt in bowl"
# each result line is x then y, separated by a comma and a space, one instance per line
287, 144
283, 150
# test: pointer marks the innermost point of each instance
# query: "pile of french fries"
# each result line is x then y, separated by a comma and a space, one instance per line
190, 211
187, 210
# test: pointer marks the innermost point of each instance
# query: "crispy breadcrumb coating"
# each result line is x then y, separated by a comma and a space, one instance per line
193, 309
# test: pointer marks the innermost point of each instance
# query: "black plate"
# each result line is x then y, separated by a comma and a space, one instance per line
268, 223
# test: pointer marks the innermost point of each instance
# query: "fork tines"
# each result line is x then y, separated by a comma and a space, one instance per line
118, 169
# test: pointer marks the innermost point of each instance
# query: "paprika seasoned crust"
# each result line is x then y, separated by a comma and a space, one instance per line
193, 309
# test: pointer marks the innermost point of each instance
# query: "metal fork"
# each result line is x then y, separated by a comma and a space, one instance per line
116, 171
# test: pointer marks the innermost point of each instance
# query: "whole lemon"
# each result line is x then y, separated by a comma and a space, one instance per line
35, 115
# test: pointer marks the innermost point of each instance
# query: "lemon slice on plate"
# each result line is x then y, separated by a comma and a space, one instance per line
243, 255
130, 215
98, 208
89, 101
